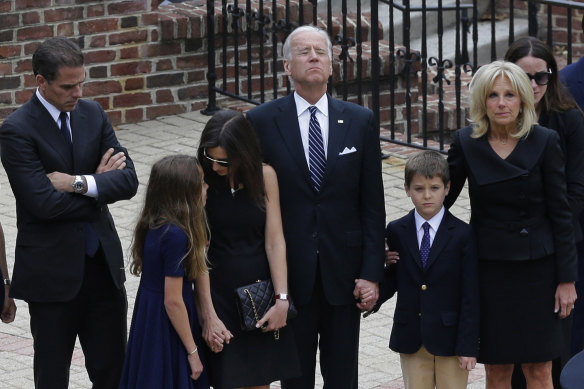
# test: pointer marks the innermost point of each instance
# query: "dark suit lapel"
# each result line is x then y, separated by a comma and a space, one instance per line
441, 238
338, 127
48, 129
411, 239
287, 123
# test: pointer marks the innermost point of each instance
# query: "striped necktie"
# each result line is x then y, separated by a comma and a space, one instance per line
316, 156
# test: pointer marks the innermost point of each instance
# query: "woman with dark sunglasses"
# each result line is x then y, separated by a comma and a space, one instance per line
558, 111
247, 244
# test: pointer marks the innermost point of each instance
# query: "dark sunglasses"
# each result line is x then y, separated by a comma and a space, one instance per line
221, 162
541, 78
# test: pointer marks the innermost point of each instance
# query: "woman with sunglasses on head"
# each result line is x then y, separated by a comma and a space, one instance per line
247, 244
558, 111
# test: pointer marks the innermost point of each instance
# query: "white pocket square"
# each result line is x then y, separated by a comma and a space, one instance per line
348, 151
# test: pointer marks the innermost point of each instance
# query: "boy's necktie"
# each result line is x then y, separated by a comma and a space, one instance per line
425, 246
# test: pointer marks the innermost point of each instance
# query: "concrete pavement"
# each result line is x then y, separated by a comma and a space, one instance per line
147, 142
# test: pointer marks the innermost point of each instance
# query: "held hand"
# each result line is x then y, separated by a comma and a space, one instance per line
467, 363
275, 318
111, 161
8, 309
391, 257
62, 182
367, 292
565, 299
216, 334
196, 365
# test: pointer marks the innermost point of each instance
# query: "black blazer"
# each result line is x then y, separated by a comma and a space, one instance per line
437, 306
519, 205
342, 224
50, 252
570, 126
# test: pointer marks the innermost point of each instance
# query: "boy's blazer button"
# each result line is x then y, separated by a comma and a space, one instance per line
315, 235
419, 314
424, 287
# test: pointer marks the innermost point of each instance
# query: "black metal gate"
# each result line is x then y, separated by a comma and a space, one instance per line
245, 39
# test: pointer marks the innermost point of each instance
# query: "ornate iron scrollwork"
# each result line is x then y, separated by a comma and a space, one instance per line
441, 66
408, 57
262, 20
237, 14
346, 44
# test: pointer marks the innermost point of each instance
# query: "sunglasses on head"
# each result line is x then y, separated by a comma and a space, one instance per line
221, 162
541, 78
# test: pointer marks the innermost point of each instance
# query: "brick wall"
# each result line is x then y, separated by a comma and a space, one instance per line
141, 61
144, 61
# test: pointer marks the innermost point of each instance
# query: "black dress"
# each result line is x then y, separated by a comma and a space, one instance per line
523, 223
238, 257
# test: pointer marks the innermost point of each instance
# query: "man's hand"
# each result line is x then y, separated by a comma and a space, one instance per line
111, 161
367, 293
62, 182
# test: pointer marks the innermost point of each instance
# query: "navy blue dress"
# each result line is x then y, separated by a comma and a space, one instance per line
155, 356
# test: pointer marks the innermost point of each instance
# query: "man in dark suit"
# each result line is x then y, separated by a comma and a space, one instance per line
65, 165
327, 156
573, 77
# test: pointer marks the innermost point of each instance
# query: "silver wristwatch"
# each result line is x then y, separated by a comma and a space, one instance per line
79, 185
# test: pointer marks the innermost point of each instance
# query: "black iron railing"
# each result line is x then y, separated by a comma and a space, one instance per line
426, 87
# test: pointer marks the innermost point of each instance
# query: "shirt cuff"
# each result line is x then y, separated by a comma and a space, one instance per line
91, 187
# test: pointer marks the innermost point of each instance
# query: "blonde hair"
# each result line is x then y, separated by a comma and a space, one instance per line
482, 84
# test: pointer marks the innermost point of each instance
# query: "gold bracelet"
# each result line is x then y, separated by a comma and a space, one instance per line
194, 351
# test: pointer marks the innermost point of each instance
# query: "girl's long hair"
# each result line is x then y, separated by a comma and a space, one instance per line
174, 196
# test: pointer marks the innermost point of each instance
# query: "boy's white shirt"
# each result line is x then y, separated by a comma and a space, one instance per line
434, 224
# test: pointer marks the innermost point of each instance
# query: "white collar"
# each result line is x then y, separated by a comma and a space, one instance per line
434, 221
53, 111
302, 105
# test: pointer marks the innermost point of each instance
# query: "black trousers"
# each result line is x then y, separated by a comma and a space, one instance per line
98, 315
334, 329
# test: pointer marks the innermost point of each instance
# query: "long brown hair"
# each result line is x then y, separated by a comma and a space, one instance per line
174, 196
231, 131
556, 97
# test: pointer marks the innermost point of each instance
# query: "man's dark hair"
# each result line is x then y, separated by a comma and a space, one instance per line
54, 53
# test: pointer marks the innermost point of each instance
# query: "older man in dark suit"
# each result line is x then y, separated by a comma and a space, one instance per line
327, 156
65, 165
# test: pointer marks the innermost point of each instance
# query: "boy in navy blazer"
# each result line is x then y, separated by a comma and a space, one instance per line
432, 264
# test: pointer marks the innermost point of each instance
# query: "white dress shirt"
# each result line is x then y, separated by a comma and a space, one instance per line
434, 223
304, 120
55, 113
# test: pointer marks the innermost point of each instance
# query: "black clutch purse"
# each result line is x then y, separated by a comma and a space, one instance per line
254, 300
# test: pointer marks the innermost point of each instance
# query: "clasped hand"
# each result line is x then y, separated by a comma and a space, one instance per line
366, 293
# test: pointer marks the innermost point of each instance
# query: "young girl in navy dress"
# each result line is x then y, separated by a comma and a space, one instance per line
169, 253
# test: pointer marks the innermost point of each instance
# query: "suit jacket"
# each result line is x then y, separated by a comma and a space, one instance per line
437, 306
340, 228
519, 205
573, 77
570, 126
50, 252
